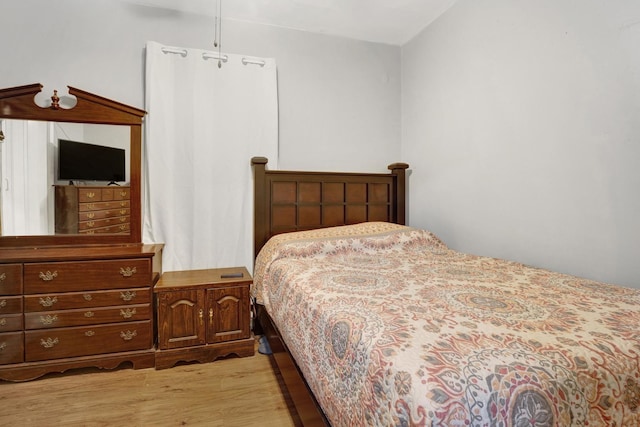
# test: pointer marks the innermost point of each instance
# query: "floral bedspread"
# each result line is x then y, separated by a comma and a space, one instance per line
390, 327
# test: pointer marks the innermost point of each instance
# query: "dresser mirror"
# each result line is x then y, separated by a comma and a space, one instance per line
70, 169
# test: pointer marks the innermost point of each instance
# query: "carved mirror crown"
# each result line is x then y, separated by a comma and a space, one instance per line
20, 103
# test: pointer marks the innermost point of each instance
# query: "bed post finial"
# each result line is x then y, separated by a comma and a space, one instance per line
259, 165
399, 170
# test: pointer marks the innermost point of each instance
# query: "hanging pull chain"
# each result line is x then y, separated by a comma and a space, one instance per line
218, 31
215, 25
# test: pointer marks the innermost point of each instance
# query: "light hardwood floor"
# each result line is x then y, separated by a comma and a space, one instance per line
227, 392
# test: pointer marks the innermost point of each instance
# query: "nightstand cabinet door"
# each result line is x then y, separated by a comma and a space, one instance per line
228, 312
181, 318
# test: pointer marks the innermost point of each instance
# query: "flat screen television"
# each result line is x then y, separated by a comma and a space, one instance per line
79, 161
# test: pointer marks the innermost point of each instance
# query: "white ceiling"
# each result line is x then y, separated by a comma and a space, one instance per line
382, 21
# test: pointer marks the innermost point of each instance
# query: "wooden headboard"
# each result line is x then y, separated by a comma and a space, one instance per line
292, 201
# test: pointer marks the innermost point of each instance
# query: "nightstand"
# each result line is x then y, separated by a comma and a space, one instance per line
203, 315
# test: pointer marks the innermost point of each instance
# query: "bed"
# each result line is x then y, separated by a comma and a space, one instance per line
386, 325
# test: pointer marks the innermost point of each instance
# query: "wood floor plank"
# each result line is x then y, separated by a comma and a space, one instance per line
228, 392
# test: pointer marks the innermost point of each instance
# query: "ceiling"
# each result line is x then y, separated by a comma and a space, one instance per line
381, 21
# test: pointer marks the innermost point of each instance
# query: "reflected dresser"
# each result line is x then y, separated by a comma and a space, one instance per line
92, 209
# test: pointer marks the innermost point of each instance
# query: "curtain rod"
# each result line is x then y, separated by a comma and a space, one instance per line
212, 55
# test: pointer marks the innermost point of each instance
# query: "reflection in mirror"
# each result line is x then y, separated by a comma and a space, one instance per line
30, 179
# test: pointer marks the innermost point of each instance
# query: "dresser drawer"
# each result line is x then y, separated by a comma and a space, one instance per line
10, 305
105, 222
44, 278
121, 193
10, 322
11, 347
10, 279
97, 215
37, 303
100, 206
95, 194
87, 340
112, 229
87, 316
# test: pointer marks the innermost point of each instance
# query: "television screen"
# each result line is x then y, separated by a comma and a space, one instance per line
89, 162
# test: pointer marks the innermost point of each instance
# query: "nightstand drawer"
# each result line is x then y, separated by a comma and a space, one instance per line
88, 275
87, 316
37, 303
87, 340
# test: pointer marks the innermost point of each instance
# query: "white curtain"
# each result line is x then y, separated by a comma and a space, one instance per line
203, 125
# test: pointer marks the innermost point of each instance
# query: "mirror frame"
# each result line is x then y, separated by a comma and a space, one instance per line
19, 103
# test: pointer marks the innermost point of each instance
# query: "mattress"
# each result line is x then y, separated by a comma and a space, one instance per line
389, 326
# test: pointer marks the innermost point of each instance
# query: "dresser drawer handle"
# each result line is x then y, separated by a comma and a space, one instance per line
3, 322
123, 193
91, 194
3, 276
48, 301
123, 211
91, 215
89, 314
48, 276
3, 303
3, 345
87, 297
48, 320
48, 343
128, 336
123, 204
127, 313
127, 272
127, 296
89, 334
91, 206
91, 223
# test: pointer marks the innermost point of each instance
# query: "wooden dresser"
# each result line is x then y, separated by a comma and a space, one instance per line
92, 209
70, 307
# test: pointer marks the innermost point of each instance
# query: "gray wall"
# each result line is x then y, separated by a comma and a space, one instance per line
519, 118
339, 99
521, 124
